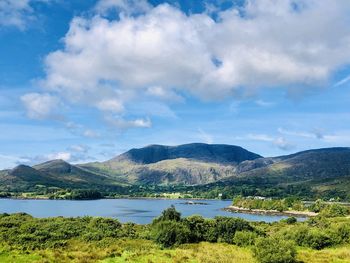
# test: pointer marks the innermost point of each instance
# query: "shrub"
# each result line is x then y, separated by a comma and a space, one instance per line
244, 238
197, 227
171, 233
226, 227
169, 214
291, 220
274, 250
317, 239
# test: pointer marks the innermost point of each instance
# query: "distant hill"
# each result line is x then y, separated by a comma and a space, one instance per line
311, 164
192, 164
56, 173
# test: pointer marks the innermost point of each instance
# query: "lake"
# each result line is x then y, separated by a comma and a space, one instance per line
140, 211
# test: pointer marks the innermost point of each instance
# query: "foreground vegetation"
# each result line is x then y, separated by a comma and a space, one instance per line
171, 238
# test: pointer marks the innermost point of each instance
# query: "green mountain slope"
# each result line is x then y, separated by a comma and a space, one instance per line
321, 171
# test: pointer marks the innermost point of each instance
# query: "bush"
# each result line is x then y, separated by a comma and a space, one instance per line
171, 233
244, 238
291, 220
334, 210
197, 226
226, 227
274, 250
317, 239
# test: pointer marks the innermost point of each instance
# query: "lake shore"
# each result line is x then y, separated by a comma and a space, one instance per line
236, 209
112, 198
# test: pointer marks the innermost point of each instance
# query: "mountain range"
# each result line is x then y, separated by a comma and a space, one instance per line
188, 164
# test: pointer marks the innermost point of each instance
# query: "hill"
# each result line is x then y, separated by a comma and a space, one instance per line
319, 172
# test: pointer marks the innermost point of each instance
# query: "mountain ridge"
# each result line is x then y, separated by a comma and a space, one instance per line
189, 164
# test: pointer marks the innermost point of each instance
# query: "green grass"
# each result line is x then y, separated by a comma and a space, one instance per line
145, 251
329, 255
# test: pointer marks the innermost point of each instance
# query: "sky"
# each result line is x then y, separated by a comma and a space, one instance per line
85, 80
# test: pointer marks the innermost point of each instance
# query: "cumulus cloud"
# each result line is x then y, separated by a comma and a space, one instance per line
40, 106
17, 13
162, 52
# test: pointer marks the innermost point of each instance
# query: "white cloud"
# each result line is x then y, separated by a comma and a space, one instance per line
121, 123
111, 105
264, 103
277, 141
80, 148
162, 52
126, 7
90, 134
65, 156
40, 106
17, 13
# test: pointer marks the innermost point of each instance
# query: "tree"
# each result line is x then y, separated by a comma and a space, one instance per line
274, 250
169, 214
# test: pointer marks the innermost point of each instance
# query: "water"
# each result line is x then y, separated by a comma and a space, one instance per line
140, 211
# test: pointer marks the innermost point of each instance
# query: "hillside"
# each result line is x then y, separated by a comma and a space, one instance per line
321, 171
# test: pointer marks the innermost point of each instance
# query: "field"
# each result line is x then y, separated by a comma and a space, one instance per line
144, 251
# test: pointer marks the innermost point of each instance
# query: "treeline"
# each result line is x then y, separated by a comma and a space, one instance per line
273, 243
218, 190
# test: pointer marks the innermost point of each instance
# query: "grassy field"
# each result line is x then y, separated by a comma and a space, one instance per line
143, 251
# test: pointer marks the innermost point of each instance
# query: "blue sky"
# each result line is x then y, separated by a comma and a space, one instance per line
87, 80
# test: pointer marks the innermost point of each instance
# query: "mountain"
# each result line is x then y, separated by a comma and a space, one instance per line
188, 164
320, 170
211, 153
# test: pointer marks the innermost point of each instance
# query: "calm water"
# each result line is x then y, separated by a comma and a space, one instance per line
140, 211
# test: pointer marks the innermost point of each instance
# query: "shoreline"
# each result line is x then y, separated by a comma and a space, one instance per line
236, 209
111, 198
